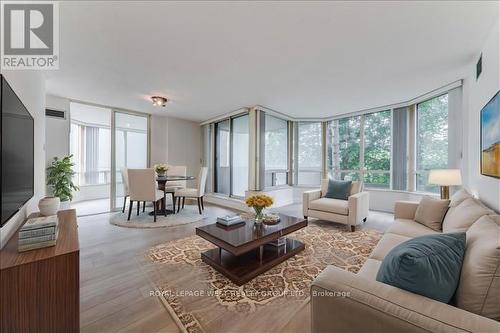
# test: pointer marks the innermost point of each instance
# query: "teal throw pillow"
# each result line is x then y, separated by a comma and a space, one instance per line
338, 189
426, 265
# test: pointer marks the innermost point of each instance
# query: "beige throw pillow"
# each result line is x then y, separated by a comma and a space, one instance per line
430, 212
461, 217
479, 287
458, 197
356, 187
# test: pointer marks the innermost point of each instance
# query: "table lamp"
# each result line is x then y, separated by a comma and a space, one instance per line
445, 178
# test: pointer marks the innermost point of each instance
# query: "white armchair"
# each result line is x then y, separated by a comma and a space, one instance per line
351, 212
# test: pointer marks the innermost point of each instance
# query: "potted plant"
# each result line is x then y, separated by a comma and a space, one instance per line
161, 169
60, 180
258, 203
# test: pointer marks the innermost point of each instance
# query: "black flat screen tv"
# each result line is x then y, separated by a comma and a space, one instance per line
17, 156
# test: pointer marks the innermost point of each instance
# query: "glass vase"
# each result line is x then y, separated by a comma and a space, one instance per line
259, 215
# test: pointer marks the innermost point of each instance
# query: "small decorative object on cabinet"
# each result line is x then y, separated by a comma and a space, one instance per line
49, 205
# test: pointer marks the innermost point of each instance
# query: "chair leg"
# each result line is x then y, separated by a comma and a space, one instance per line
173, 202
165, 204
353, 228
199, 205
124, 203
202, 204
183, 202
131, 203
179, 204
154, 211
143, 206
138, 207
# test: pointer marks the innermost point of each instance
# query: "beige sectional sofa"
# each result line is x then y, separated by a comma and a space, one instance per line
342, 301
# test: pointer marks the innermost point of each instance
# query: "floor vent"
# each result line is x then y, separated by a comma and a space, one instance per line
55, 113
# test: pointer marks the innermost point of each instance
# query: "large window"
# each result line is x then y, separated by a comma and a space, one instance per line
377, 149
389, 149
343, 148
359, 147
90, 145
308, 158
276, 151
431, 140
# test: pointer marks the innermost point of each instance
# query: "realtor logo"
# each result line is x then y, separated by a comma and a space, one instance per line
30, 35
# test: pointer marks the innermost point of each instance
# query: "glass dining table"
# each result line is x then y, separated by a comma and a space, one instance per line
162, 185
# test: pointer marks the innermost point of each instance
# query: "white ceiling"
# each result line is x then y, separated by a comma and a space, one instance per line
302, 59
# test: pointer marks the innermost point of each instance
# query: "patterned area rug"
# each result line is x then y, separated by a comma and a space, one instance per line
202, 300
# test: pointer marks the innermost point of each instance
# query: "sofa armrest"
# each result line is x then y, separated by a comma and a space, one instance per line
359, 204
342, 301
405, 210
307, 197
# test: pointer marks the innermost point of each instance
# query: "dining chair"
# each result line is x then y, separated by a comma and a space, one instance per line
172, 186
142, 187
192, 193
124, 172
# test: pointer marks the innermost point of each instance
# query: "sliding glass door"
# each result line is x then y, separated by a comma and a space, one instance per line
131, 148
231, 156
239, 156
222, 158
103, 141
90, 145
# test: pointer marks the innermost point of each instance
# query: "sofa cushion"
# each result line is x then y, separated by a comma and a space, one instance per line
479, 287
462, 216
426, 265
338, 189
409, 228
431, 212
356, 186
459, 196
330, 205
386, 244
370, 269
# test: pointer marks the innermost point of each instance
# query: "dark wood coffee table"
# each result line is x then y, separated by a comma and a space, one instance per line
244, 251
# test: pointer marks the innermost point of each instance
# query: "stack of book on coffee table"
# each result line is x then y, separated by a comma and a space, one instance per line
229, 220
38, 232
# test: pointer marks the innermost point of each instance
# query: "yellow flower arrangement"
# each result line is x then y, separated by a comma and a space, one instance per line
258, 203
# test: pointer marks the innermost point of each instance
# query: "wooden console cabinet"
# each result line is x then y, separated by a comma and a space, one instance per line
39, 289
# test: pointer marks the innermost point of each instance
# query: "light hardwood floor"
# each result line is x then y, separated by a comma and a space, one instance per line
114, 291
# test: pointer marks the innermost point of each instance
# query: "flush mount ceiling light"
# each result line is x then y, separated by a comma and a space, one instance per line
159, 101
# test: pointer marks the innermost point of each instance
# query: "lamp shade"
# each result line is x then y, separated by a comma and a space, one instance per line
445, 177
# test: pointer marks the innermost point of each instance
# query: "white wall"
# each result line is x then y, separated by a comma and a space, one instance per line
159, 140
476, 94
30, 87
56, 130
182, 146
